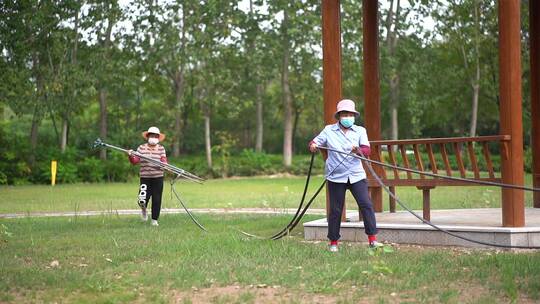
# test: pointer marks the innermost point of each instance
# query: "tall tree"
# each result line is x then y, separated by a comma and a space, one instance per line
286, 94
29, 38
104, 15
392, 38
295, 33
461, 26
73, 96
255, 56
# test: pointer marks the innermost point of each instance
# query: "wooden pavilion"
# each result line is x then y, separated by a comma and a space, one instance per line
511, 128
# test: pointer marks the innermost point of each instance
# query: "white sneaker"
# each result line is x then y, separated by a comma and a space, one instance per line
144, 215
155, 223
333, 248
375, 244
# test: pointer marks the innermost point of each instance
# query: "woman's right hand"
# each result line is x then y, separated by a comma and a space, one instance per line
313, 147
130, 152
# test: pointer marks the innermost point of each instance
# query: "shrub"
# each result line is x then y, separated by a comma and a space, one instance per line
67, 173
250, 163
192, 163
92, 169
118, 168
300, 165
3, 178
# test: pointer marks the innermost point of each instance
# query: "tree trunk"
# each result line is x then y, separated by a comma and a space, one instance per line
207, 143
34, 135
64, 138
34, 132
474, 116
138, 108
177, 133
102, 88
259, 90
394, 105
297, 113
287, 98
475, 83
103, 120
36, 118
391, 42
65, 119
178, 93
178, 80
259, 136
185, 116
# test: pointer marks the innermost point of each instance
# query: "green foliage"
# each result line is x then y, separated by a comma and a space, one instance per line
92, 169
118, 168
14, 168
250, 162
195, 164
227, 143
377, 261
5, 234
218, 60
67, 173
528, 160
76, 166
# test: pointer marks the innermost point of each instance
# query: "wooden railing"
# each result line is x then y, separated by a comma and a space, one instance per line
463, 149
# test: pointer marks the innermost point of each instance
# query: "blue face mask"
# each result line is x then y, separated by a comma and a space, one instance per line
347, 122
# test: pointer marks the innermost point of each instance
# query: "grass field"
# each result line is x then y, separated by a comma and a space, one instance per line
258, 192
112, 259
118, 259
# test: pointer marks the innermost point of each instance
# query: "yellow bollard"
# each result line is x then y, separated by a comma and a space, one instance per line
53, 172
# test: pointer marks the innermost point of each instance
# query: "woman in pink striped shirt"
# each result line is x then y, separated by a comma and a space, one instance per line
151, 182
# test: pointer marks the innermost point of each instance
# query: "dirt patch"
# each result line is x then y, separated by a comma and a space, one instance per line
251, 294
455, 293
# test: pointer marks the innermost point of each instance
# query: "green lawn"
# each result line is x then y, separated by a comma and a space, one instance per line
259, 192
115, 259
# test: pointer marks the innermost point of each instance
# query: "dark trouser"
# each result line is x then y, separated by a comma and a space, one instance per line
151, 188
359, 191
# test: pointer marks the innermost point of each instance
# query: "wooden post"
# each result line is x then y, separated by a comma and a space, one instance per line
534, 36
513, 208
426, 205
392, 200
372, 109
331, 35
331, 42
426, 202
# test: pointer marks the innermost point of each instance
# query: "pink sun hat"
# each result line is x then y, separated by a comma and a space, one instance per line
345, 105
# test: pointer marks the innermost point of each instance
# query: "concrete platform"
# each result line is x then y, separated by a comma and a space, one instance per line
403, 228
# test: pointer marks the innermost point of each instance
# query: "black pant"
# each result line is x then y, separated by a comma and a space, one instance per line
359, 191
151, 187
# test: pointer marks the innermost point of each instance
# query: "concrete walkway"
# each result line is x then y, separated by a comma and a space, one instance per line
284, 211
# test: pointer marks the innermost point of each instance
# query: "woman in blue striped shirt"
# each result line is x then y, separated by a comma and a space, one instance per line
345, 172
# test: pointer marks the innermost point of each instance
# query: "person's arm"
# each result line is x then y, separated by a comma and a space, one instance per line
163, 157
365, 150
319, 140
134, 159
364, 147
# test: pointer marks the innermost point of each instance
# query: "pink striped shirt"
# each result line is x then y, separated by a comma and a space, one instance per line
156, 152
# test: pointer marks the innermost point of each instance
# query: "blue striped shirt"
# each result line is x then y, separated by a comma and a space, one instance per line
351, 168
